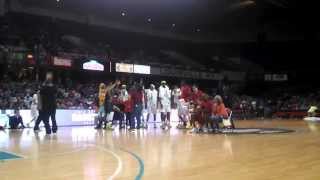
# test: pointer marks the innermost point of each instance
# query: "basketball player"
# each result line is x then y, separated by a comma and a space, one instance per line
4, 119
137, 99
195, 100
165, 104
123, 97
128, 110
34, 109
179, 103
108, 104
185, 91
196, 94
152, 100
101, 103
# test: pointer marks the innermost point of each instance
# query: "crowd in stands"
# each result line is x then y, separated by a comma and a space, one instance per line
249, 106
19, 95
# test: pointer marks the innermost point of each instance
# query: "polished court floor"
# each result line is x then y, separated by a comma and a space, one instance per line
77, 153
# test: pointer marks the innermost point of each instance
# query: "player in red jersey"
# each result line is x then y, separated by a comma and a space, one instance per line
185, 91
195, 94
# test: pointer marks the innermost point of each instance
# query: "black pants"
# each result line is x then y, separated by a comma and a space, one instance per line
45, 115
121, 120
38, 121
128, 118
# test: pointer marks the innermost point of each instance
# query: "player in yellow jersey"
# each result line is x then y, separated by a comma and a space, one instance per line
101, 103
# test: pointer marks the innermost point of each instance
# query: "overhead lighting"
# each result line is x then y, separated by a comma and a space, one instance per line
149, 19
173, 25
198, 30
123, 12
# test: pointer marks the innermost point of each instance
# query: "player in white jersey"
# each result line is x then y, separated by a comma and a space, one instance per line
165, 104
152, 101
182, 107
34, 109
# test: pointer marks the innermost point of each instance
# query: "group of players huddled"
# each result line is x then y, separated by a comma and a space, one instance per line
196, 110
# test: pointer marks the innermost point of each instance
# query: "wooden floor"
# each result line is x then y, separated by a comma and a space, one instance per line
83, 153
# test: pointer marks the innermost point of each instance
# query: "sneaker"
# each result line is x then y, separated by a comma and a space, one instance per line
210, 130
109, 127
205, 130
195, 130
131, 129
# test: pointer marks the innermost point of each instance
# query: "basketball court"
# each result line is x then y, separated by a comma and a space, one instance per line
84, 153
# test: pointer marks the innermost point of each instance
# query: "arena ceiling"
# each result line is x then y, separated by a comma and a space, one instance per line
208, 19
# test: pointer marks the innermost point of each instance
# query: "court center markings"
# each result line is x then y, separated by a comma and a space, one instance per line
140, 161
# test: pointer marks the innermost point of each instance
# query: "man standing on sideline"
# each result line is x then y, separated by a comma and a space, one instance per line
48, 100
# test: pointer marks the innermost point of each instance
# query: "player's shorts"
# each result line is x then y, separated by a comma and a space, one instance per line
152, 108
102, 111
166, 108
110, 116
34, 112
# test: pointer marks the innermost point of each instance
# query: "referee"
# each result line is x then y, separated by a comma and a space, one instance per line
48, 93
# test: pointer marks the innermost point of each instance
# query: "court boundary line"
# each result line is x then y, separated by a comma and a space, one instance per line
116, 172
120, 164
138, 158
140, 161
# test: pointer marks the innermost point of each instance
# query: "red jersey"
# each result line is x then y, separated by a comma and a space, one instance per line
128, 105
137, 97
196, 96
115, 100
207, 105
185, 92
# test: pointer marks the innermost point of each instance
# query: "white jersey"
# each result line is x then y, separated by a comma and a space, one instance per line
152, 100
4, 120
165, 98
176, 93
34, 107
124, 96
152, 96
